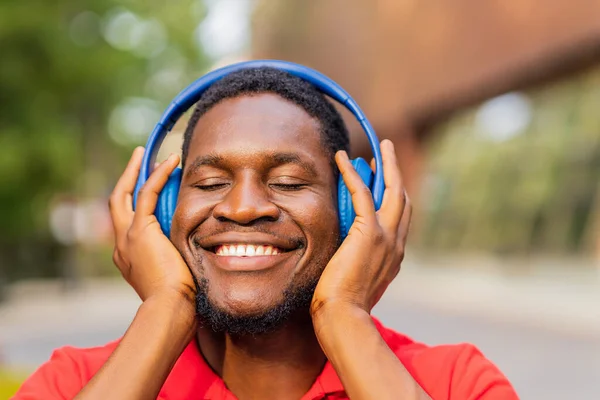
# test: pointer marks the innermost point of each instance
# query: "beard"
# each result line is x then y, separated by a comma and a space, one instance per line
296, 299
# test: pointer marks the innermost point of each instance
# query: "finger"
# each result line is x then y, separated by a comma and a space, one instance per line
120, 203
404, 225
126, 182
148, 195
392, 205
373, 165
362, 199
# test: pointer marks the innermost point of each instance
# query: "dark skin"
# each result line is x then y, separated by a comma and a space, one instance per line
251, 168
259, 174
244, 176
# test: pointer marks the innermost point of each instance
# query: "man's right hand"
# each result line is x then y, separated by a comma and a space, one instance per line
165, 322
148, 260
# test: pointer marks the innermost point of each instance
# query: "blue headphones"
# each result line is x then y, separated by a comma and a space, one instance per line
188, 97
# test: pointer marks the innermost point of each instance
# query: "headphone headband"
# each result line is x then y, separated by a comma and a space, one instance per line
191, 95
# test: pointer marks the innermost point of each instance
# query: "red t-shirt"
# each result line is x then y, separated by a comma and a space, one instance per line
456, 372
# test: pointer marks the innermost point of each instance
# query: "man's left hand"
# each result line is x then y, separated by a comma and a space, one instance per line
370, 256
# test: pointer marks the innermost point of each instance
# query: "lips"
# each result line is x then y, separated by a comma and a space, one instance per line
247, 244
248, 251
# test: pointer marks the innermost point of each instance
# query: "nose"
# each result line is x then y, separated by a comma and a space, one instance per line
247, 202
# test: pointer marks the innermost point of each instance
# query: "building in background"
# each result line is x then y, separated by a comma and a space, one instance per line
492, 106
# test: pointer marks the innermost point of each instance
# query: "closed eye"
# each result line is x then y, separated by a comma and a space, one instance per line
210, 188
288, 186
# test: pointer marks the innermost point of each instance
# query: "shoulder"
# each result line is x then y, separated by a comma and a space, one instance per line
457, 371
67, 371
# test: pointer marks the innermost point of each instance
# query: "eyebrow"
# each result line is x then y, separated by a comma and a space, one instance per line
279, 158
293, 158
211, 160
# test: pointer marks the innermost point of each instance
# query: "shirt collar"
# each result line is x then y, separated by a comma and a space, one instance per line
327, 382
191, 377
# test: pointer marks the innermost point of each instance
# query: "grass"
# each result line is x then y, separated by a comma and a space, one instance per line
9, 383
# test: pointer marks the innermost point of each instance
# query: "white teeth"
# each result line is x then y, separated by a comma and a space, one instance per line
241, 250
246, 250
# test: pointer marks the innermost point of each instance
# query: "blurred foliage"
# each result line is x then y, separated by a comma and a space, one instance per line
537, 191
65, 66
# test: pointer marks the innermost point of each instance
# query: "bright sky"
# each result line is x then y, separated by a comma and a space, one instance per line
225, 32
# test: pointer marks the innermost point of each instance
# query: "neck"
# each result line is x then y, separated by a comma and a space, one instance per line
280, 364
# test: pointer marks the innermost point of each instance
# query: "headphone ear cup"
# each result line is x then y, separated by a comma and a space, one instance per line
345, 207
167, 200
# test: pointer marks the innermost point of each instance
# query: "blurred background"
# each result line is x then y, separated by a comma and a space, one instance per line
494, 108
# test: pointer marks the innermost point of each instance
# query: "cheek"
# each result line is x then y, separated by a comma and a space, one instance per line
319, 219
189, 213
320, 223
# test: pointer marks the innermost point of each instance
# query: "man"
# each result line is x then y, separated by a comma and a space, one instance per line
255, 296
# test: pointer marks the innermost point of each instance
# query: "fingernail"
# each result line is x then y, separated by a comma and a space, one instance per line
172, 157
343, 154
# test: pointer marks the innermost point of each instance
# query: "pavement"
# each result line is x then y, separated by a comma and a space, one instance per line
538, 320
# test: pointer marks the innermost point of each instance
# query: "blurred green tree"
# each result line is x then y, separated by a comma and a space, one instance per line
66, 69
533, 191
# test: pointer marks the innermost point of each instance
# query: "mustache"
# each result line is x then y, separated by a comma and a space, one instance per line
224, 228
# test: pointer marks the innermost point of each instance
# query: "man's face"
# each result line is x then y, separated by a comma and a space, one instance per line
256, 219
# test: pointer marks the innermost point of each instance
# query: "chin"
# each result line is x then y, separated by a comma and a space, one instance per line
250, 312
246, 301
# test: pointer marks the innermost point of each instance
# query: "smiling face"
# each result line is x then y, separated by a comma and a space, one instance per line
256, 219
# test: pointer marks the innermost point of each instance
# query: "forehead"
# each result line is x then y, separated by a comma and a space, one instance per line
257, 124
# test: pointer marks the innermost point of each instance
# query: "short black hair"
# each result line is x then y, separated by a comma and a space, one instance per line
255, 81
